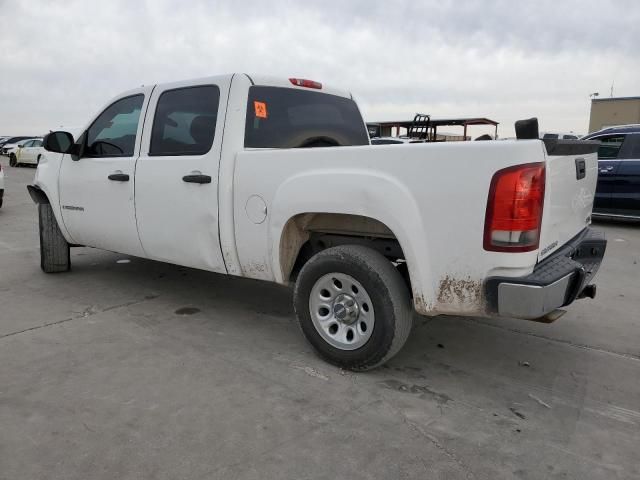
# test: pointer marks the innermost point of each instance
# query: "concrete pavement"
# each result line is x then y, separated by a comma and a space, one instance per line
148, 370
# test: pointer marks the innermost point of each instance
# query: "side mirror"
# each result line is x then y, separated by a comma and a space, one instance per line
58, 142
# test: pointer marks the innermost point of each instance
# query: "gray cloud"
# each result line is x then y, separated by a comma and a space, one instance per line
504, 59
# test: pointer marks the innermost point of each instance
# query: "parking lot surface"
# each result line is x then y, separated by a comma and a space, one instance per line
125, 368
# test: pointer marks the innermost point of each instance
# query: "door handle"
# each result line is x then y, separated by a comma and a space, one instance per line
119, 177
606, 169
196, 178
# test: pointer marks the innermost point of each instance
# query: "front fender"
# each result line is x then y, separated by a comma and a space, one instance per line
361, 192
45, 188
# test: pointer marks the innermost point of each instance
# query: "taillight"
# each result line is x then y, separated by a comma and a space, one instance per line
303, 82
514, 209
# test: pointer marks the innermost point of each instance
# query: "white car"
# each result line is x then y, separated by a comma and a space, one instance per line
29, 153
226, 180
10, 150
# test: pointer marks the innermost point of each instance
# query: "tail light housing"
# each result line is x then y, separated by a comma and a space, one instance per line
303, 82
514, 209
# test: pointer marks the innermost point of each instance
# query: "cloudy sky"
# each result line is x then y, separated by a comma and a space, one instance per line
62, 61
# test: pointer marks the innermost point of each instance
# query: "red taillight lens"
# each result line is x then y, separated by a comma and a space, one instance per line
303, 82
514, 209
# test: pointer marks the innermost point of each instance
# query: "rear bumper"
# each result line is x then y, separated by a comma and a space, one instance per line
555, 282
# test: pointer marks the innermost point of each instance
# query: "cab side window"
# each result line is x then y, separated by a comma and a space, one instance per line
28, 144
113, 133
185, 121
610, 147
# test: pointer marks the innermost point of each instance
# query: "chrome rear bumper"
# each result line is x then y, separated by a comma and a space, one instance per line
555, 282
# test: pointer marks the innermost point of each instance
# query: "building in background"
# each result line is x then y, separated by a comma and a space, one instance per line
608, 112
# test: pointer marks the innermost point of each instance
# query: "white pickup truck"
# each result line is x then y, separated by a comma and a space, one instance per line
219, 174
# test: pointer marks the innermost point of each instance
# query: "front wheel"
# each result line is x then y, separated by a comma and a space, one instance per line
54, 249
12, 160
353, 306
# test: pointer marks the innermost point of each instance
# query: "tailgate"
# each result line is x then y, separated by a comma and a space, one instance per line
571, 177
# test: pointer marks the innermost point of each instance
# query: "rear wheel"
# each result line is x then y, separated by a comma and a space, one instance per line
353, 306
54, 249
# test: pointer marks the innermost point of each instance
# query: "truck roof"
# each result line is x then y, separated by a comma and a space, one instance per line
273, 81
267, 80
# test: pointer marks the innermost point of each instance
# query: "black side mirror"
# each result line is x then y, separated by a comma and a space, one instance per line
58, 142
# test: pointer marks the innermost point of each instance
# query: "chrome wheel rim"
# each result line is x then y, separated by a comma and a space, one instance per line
341, 311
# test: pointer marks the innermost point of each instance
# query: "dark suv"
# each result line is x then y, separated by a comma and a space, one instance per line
618, 191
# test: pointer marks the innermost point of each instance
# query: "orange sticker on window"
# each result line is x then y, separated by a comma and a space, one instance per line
261, 109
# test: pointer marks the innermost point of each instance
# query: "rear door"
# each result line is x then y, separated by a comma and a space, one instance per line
36, 151
177, 174
608, 164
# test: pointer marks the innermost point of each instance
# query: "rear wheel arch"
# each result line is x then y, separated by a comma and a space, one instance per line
306, 234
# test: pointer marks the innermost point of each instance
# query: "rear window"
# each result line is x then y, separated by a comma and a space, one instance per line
290, 118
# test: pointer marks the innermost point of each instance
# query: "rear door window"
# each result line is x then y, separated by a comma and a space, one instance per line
291, 118
610, 146
185, 121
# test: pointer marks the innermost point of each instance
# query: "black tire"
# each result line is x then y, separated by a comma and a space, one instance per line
12, 160
389, 295
54, 249
38, 160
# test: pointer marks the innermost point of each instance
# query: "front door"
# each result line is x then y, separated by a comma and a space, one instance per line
97, 189
177, 174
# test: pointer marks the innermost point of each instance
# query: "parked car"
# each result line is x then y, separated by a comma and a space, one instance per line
618, 190
29, 153
12, 150
559, 135
11, 142
488, 228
